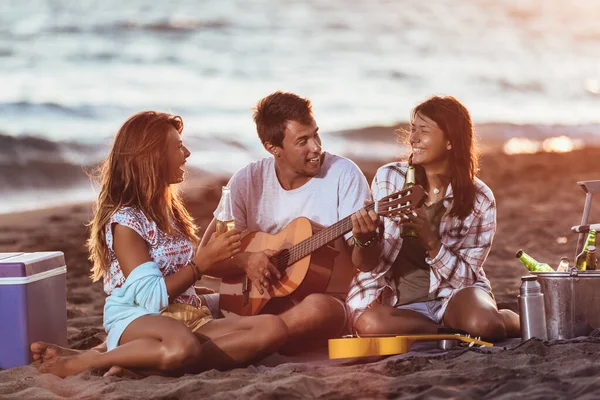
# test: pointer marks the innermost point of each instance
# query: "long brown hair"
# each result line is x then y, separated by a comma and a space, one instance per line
135, 175
453, 118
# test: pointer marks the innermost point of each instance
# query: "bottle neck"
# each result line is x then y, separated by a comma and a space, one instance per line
528, 261
590, 240
225, 209
410, 177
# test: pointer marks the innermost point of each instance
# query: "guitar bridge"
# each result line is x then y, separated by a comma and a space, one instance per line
246, 290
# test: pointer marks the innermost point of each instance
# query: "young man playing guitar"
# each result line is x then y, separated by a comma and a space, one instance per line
298, 180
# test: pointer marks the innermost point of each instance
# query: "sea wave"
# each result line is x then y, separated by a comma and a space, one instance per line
163, 25
55, 109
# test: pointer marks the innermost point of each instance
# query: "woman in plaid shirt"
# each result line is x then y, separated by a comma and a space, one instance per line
417, 284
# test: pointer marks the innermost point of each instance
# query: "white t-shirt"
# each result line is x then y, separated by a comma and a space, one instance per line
261, 204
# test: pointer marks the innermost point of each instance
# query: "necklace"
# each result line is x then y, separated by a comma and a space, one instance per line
436, 190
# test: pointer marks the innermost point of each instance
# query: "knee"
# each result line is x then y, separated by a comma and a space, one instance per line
273, 331
369, 323
491, 327
322, 306
179, 352
316, 303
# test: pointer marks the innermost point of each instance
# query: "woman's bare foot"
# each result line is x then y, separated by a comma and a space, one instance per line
42, 351
63, 366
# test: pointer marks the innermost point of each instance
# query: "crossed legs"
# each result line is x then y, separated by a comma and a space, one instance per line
471, 310
158, 344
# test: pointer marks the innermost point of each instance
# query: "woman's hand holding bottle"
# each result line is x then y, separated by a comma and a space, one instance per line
219, 247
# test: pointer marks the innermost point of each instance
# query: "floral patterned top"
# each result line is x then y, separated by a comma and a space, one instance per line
170, 253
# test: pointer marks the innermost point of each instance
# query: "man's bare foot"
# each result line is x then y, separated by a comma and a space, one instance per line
42, 351
63, 366
124, 373
200, 290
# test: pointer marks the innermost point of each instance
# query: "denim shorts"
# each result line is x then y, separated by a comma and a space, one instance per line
434, 309
429, 309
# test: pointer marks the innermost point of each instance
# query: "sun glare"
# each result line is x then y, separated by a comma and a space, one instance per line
521, 145
559, 144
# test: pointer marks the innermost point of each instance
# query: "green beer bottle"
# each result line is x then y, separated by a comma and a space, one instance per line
580, 263
531, 264
408, 183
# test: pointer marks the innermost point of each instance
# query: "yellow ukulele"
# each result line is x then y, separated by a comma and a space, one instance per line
350, 347
304, 259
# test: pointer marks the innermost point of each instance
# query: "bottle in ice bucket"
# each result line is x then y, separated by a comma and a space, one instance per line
532, 264
408, 183
591, 262
590, 241
225, 221
563, 266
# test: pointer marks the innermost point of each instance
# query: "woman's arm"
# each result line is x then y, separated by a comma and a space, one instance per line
458, 264
131, 251
253, 264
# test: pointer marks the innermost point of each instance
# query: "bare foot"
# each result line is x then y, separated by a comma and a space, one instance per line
45, 351
63, 366
200, 290
123, 373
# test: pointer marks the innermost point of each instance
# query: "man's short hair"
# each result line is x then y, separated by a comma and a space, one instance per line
272, 114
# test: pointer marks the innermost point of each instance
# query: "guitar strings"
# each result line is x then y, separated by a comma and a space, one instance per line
312, 243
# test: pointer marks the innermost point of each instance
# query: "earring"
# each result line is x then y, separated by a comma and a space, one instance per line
449, 146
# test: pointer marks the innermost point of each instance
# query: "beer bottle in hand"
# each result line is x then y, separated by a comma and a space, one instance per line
532, 264
580, 263
591, 262
225, 221
409, 182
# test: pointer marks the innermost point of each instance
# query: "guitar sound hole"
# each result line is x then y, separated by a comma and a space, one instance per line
282, 259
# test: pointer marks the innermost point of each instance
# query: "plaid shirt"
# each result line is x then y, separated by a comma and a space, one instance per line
465, 246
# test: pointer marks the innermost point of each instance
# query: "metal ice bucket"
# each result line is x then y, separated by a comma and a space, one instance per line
571, 302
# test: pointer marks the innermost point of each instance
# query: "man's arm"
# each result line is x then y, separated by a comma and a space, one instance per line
365, 240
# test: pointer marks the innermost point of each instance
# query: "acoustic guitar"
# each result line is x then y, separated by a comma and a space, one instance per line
304, 258
350, 347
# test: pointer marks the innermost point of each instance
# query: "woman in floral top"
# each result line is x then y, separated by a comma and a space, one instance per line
416, 284
142, 244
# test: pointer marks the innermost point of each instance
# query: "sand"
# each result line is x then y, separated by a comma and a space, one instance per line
538, 201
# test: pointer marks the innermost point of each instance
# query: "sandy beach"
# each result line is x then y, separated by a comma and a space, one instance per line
538, 200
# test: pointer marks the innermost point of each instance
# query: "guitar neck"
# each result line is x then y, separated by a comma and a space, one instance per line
321, 238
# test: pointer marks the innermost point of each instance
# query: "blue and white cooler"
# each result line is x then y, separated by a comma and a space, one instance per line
33, 304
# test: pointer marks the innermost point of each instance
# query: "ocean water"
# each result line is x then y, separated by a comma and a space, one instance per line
71, 71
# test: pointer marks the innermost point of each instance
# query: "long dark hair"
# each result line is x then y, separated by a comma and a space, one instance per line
453, 118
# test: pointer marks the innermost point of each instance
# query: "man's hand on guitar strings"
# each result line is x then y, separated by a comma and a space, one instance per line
261, 270
365, 223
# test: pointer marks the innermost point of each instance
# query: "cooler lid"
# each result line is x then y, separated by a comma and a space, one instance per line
27, 264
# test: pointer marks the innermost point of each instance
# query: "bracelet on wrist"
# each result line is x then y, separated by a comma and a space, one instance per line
195, 270
366, 244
